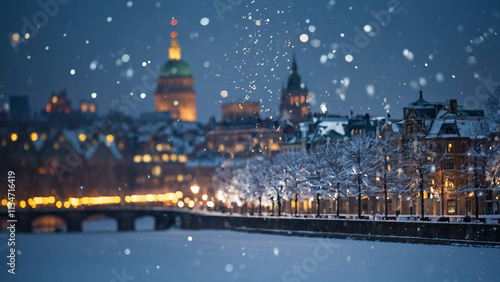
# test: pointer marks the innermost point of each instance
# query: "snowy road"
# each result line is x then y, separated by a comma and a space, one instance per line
185, 255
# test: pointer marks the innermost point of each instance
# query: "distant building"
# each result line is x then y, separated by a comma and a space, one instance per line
242, 134
19, 108
88, 107
294, 105
58, 103
237, 111
175, 86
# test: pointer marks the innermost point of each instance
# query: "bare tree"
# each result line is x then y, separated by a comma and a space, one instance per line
480, 167
361, 157
317, 177
420, 165
288, 175
258, 170
493, 105
331, 157
391, 168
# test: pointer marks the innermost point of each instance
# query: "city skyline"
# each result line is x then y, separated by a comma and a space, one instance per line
121, 48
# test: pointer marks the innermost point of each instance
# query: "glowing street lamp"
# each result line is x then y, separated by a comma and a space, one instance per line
195, 189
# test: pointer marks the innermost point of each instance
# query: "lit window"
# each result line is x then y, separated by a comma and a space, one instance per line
159, 147
180, 178
110, 138
26, 146
156, 171
13, 137
182, 158
137, 158
146, 158
173, 157
156, 158
82, 137
34, 136
165, 157
84, 108
450, 147
121, 145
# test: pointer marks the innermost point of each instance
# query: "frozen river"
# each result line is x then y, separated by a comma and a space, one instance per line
210, 255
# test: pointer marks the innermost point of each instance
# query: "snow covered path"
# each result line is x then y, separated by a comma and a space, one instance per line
209, 255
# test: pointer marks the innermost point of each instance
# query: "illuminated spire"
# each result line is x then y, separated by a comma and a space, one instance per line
174, 52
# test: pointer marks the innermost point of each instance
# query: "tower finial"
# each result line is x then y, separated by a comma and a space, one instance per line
174, 52
421, 98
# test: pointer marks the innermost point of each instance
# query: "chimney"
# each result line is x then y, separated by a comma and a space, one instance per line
453, 106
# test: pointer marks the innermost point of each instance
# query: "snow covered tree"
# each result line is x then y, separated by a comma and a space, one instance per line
493, 105
288, 175
479, 168
317, 173
420, 165
259, 174
361, 158
329, 160
391, 168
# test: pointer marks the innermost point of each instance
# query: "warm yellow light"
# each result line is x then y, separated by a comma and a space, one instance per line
191, 204
182, 158
146, 158
26, 146
54, 100
204, 197
179, 194
195, 189
110, 138
156, 170
159, 147
66, 204
137, 158
82, 137
4, 202
180, 178
22, 204
34, 136
15, 37
58, 204
173, 157
165, 157
13, 137
186, 200
128, 199
180, 204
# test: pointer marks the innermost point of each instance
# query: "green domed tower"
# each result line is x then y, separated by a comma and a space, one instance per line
175, 86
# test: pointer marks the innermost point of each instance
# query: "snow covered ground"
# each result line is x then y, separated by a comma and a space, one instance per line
210, 255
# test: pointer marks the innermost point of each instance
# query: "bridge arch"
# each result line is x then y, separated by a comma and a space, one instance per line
99, 222
47, 223
145, 222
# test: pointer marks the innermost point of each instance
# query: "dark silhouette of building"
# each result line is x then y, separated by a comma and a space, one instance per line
294, 105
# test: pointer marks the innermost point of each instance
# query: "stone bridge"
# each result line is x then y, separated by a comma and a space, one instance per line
73, 218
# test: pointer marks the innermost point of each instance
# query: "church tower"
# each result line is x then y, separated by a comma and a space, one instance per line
294, 104
175, 86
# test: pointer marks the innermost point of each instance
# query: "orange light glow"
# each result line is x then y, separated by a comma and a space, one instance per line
173, 34
173, 22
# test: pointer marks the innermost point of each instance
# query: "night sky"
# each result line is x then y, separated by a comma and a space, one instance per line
446, 48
